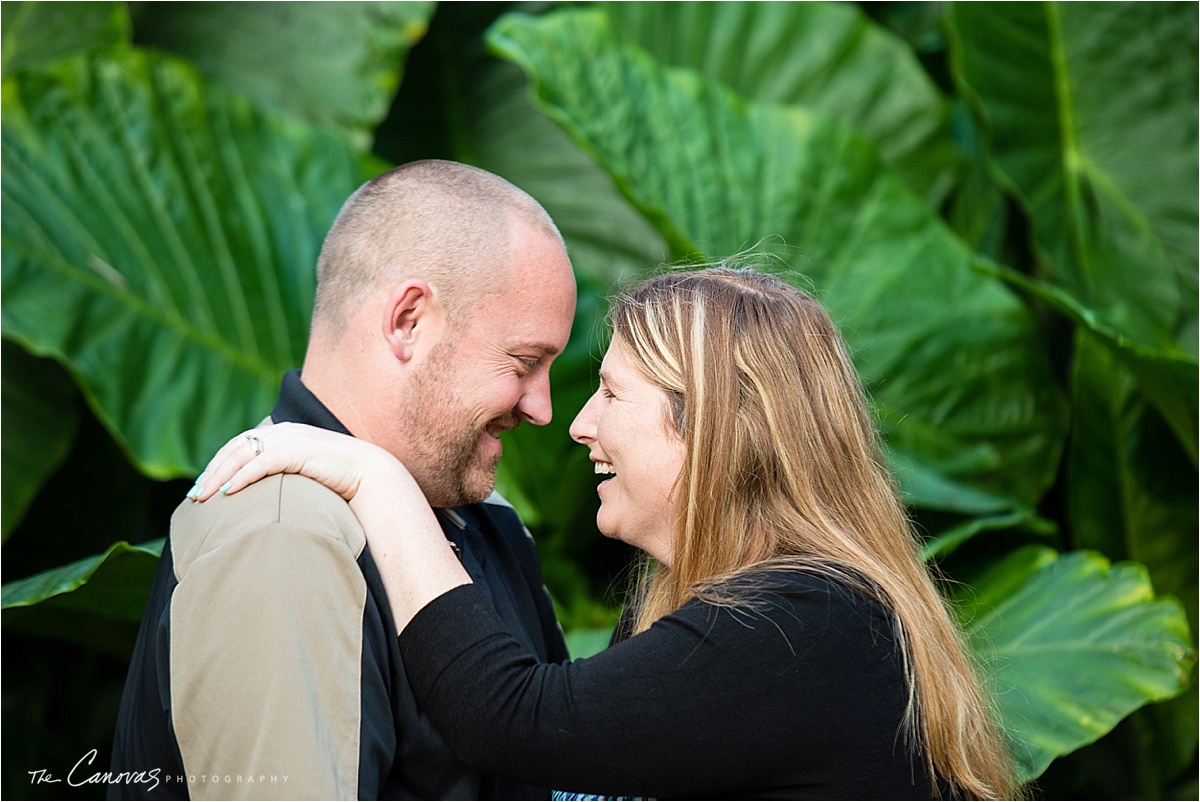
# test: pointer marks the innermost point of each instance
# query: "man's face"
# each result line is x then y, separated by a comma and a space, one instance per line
491, 375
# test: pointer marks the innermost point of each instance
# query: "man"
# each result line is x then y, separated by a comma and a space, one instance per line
267, 664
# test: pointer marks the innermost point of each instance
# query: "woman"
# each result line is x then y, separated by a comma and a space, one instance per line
787, 640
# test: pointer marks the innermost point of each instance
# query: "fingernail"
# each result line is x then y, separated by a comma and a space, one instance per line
225, 487
196, 490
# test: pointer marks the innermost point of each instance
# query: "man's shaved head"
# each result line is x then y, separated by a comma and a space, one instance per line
447, 223
443, 295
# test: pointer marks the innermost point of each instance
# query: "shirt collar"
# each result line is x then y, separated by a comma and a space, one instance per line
297, 404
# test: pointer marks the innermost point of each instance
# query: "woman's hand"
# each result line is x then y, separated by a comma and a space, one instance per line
338, 461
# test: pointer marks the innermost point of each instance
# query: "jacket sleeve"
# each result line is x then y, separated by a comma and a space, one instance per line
266, 666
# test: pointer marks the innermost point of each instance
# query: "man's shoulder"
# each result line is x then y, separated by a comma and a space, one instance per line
279, 502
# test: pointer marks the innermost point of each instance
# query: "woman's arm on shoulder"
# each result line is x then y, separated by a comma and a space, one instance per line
417, 563
707, 702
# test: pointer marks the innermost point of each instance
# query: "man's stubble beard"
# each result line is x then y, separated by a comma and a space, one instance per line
444, 439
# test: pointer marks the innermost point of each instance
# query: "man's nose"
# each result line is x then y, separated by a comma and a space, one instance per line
535, 405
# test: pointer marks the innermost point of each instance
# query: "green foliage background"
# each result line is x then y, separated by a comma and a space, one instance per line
996, 202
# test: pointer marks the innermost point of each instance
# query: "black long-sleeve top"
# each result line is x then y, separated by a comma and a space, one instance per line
798, 695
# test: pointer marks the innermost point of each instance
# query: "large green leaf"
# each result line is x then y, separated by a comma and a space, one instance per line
1132, 490
828, 57
38, 32
1072, 644
97, 601
160, 237
1169, 378
1092, 109
606, 237
1132, 495
336, 65
972, 418
39, 418
1093, 114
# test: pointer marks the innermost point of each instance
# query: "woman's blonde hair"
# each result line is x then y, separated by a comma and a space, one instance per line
783, 469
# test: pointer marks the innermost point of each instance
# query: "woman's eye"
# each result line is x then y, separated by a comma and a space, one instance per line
607, 393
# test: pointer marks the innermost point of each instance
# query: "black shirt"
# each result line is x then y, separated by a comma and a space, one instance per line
799, 695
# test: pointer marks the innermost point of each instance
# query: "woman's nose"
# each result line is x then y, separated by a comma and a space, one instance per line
583, 428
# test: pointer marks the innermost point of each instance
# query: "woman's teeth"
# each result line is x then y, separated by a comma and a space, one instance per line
605, 468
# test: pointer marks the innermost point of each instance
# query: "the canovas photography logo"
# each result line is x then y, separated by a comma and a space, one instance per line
84, 773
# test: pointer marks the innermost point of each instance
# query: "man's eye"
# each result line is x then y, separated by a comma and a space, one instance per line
529, 364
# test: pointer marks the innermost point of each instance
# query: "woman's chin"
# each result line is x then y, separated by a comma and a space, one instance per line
608, 531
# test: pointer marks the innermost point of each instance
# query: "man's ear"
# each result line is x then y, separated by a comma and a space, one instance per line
413, 313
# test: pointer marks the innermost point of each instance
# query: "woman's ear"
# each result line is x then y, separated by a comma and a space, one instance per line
412, 315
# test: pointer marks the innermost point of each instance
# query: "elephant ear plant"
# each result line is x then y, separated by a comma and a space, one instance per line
996, 202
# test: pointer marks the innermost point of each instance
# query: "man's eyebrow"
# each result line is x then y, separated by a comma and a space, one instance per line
545, 348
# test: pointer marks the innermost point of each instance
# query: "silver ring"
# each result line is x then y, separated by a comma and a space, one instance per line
254, 441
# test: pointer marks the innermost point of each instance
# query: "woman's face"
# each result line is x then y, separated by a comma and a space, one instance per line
625, 426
